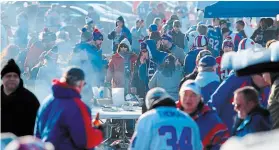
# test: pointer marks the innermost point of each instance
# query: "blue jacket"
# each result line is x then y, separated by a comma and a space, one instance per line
96, 62
258, 120
209, 82
213, 131
156, 55
116, 39
190, 61
222, 98
65, 121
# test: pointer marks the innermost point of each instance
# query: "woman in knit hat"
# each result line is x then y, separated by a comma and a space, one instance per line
227, 46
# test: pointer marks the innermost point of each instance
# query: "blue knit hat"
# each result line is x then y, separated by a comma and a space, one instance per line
167, 37
97, 35
207, 61
153, 28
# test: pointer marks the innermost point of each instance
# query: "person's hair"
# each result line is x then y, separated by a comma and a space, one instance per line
73, 76
168, 66
202, 29
225, 30
157, 20
241, 23
250, 94
269, 22
262, 21
10, 51
155, 36
202, 54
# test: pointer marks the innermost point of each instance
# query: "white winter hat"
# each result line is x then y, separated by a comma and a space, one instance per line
192, 86
246, 43
155, 95
88, 20
126, 42
191, 38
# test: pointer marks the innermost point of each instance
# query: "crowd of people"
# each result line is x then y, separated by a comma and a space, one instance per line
174, 64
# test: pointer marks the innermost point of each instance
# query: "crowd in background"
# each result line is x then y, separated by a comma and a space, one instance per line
163, 49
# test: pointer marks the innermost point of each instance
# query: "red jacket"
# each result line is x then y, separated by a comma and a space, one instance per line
115, 73
33, 55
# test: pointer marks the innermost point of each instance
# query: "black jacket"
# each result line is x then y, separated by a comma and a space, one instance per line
18, 111
178, 38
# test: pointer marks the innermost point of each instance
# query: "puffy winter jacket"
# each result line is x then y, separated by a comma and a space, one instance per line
257, 120
213, 131
55, 121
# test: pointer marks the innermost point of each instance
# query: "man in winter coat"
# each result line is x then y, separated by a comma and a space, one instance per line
55, 121
193, 75
213, 132
170, 47
119, 33
88, 56
207, 77
222, 98
251, 117
18, 105
177, 35
201, 43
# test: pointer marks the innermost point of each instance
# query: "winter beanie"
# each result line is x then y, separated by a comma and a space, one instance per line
228, 42
246, 43
201, 41
153, 28
97, 35
11, 66
85, 35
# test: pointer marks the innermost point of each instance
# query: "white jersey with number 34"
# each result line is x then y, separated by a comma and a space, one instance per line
166, 128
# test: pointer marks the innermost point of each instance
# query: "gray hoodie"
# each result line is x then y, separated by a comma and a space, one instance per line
170, 84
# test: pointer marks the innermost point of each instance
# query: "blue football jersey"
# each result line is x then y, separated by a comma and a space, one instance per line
214, 41
166, 128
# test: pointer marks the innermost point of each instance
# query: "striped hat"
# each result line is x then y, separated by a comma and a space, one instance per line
201, 41
246, 43
228, 42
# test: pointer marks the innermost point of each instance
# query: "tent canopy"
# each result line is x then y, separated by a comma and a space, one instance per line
231, 9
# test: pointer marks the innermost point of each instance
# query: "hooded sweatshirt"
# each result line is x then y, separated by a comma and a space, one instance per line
209, 82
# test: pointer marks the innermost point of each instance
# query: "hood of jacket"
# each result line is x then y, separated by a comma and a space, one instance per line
204, 78
64, 91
